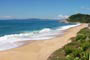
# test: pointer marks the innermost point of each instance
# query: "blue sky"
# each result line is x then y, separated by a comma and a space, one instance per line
46, 9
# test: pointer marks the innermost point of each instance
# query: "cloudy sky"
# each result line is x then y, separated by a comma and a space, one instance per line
46, 9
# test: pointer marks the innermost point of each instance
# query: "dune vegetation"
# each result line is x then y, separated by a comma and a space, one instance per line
78, 49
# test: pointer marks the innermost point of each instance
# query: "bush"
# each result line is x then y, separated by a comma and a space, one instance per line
84, 34
77, 52
69, 57
85, 56
77, 58
85, 45
80, 37
68, 50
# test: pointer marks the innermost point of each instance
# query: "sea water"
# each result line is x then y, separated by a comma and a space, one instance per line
13, 31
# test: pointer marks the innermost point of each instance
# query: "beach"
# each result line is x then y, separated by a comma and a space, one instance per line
41, 49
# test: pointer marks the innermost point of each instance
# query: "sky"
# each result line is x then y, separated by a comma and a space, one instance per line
44, 9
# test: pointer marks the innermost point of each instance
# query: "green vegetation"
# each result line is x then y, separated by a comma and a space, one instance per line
83, 18
78, 49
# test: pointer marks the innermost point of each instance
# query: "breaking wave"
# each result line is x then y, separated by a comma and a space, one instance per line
11, 41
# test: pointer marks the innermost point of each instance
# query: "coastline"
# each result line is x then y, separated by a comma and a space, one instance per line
42, 49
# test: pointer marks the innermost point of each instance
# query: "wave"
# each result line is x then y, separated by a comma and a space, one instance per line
10, 41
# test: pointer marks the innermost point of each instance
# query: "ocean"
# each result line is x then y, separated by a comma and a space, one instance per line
14, 31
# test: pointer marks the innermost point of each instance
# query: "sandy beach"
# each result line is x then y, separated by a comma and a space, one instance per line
42, 49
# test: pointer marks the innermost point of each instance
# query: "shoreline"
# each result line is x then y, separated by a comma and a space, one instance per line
41, 49
20, 43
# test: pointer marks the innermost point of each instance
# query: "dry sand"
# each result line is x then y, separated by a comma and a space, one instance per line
40, 50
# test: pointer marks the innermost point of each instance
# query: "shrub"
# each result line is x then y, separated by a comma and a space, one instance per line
68, 50
80, 37
85, 56
77, 52
84, 34
69, 57
77, 58
85, 45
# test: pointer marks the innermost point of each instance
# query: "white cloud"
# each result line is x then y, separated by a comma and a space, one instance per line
62, 16
7, 16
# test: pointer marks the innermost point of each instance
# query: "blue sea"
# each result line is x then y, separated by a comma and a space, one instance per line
14, 31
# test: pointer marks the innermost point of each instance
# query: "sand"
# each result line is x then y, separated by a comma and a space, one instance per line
40, 50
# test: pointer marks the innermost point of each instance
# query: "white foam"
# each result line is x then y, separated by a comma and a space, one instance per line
68, 26
9, 41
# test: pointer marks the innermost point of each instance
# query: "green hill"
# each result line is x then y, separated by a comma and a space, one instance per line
83, 18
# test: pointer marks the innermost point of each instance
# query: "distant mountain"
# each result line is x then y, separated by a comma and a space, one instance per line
29, 19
